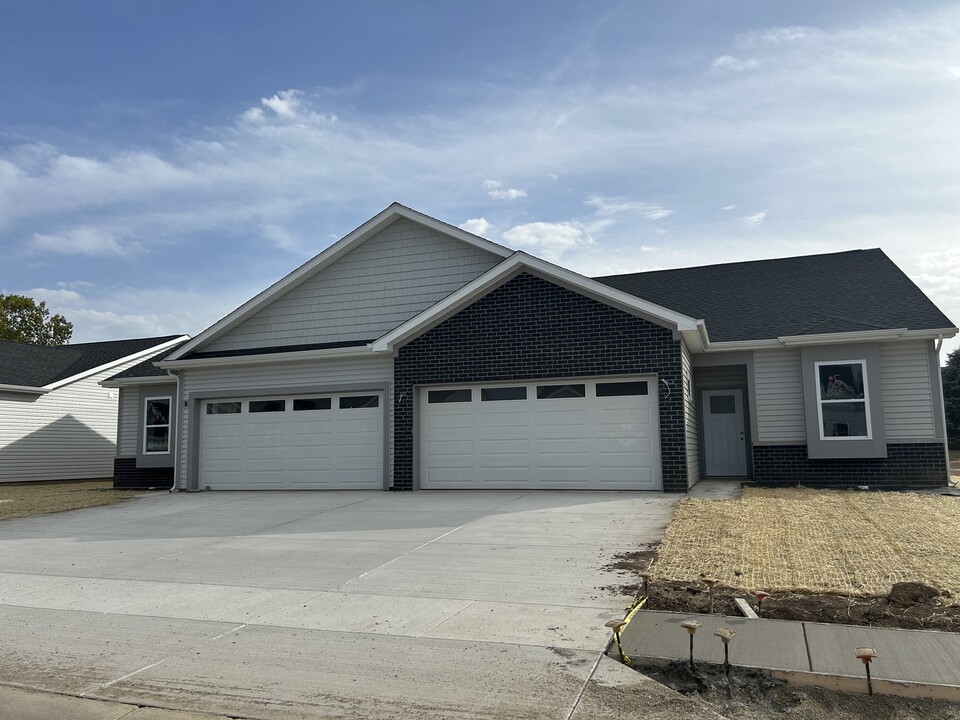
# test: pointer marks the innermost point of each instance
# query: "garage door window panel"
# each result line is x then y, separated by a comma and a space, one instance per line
267, 406
621, 389
555, 392
306, 404
223, 408
449, 396
351, 402
499, 394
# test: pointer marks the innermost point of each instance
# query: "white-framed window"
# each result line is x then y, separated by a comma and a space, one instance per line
156, 425
843, 402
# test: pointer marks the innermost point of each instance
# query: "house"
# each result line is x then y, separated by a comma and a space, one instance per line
56, 421
413, 355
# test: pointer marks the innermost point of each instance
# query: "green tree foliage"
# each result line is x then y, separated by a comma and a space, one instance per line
25, 320
951, 397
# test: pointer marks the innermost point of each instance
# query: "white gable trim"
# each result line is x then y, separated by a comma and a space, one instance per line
357, 351
340, 248
517, 263
142, 355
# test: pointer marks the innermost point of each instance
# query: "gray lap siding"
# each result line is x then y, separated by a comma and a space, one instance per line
529, 328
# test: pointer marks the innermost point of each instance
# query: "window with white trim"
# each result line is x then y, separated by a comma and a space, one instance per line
843, 405
156, 425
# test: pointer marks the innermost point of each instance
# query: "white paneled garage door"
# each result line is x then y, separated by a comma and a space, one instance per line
299, 442
586, 434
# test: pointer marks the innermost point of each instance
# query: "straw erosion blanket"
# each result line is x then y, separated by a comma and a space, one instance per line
25, 499
833, 556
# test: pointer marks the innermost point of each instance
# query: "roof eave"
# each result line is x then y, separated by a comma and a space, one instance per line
24, 389
859, 336
132, 381
267, 358
141, 355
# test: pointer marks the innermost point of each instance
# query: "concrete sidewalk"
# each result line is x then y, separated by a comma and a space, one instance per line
926, 659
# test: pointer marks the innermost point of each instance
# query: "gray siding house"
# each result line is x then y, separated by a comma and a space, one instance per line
413, 355
56, 421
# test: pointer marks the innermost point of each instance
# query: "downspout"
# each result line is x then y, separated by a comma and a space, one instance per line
943, 408
177, 460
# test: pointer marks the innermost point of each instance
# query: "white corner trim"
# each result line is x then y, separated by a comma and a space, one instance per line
340, 248
521, 262
25, 389
142, 355
269, 358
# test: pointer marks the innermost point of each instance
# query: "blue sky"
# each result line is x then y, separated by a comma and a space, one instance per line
162, 162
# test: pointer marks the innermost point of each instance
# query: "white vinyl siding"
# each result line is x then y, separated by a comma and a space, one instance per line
67, 434
690, 419
275, 378
905, 382
127, 440
779, 396
388, 279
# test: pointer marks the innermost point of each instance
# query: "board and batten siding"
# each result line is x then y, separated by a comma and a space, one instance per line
399, 272
127, 423
779, 396
906, 385
282, 378
67, 434
690, 418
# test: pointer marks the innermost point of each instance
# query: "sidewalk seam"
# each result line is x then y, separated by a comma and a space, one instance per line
583, 689
806, 644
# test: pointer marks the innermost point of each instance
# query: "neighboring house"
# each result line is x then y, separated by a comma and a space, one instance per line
56, 421
411, 354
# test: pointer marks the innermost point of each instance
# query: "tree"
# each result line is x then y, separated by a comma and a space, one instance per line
25, 320
951, 397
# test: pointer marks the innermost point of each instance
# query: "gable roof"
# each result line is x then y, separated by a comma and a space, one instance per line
43, 368
844, 292
146, 368
521, 262
340, 248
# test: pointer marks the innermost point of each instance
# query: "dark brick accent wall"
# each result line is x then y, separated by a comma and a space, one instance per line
126, 474
906, 465
529, 328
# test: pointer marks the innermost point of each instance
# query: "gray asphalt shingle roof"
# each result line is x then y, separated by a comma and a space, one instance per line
765, 299
147, 368
39, 365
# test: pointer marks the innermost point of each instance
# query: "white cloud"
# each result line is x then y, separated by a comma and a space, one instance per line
778, 35
753, 220
729, 207
955, 71
619, 205
496, 190
52, 296
549, 240
477, 226
279, 237
728, 62
285, 102
81, 241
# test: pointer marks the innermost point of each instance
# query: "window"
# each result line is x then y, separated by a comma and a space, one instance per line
449, 396
723, 404
359, 401
223, 408
503, 393
300, 404
618, 389
267, 406
156, 425
844, 410
550, 392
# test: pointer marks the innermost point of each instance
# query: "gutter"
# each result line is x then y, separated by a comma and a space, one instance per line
25, 389
176, 439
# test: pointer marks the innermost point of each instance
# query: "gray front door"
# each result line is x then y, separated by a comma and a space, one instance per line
724, 446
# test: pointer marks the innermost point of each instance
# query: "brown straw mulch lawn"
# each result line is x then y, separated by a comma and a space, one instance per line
24, 499
835, 541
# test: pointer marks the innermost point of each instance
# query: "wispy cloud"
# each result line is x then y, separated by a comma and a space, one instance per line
619, 205
82, 241
754, 219
496, 190
477, 226
728, 62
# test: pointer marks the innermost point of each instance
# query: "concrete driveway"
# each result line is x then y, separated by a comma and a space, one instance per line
322, 604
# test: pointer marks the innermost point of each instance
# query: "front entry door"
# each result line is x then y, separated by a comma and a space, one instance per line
724, 446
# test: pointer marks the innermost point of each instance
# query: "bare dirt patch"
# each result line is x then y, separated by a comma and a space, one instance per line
755, 695
25, 499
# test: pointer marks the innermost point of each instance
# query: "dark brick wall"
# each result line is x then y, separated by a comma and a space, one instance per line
126, 474
906, 465
529, 328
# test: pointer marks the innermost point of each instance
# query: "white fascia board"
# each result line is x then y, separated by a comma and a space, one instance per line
135, 381
514, 265
143, 354
25, 389
268, 358
340, 248
859, 336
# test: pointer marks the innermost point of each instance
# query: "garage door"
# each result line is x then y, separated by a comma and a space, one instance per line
299, 442
589, 434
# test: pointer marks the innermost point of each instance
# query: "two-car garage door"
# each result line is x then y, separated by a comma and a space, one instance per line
302, 442
586, 434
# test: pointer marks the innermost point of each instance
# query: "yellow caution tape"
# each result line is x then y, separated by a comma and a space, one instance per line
631, 611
